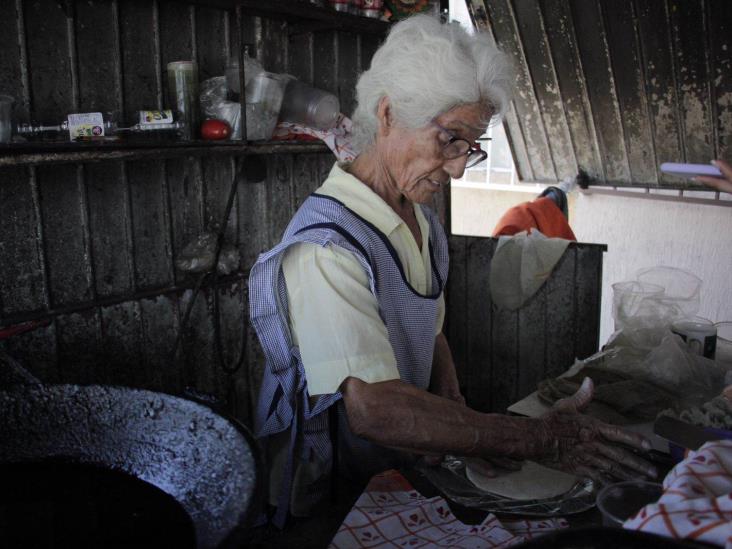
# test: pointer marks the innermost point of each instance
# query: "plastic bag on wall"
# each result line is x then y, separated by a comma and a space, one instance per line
199, 255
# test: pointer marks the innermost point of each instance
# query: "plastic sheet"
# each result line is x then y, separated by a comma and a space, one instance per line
450, 479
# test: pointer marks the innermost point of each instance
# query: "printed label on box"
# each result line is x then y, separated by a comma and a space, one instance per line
86, 124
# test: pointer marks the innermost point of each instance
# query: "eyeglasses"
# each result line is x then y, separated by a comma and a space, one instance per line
457, 147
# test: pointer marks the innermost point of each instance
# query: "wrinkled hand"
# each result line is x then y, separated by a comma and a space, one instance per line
588, 447
721, 184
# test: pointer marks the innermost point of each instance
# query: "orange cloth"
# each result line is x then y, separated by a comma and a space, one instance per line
542, 214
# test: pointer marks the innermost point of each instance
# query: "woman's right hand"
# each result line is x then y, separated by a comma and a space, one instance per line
724, 183
585, 446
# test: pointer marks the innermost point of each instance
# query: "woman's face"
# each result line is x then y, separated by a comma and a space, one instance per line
416, 162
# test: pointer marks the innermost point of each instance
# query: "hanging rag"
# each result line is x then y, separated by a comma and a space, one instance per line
521, 264
543, 214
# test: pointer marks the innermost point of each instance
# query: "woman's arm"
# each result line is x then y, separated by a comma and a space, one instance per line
398, 415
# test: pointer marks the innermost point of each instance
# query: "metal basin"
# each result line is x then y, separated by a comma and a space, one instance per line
205, 462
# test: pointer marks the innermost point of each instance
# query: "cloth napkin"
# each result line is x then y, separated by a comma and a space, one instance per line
337, 138
520, 266
697, 499
391, 513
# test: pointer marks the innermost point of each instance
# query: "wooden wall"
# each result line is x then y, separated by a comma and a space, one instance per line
92, 247
502, 355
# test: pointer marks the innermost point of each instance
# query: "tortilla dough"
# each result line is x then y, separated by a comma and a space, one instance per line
533, 481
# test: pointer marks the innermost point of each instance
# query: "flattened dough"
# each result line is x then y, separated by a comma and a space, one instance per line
533, 481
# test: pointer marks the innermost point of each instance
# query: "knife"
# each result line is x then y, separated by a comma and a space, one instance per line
681, 433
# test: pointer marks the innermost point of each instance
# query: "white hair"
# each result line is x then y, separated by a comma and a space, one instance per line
426, 68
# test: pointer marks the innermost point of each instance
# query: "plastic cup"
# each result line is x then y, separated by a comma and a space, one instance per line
6, 109
633, 298
309, 106
621, 501
183, 95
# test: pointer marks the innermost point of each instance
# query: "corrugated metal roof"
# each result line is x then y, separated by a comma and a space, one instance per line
615, 87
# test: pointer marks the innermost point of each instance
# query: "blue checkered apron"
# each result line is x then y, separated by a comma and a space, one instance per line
409, 317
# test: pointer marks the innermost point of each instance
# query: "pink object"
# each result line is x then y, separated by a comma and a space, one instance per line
697, 499
338, 138
391, 513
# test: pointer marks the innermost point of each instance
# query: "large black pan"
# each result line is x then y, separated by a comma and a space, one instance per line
181, 447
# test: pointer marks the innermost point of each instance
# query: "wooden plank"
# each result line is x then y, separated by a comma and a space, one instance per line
176, 33
348, 72
142, 76
561, 307
622, 36
532, 343
211, 47
305, 178
504, 356
253, 231
159, 329
13, 59
150, 226
503, 26
22, 281
218, 175
688, 32
197, 347
98, 55
565, 56
185, 189
300, 59
456, 321
653, 26
109, 226
720, 30
279, 201
533, 37
589, 298
480, 322
234, 318
325, 62
274, 46
597, 73
517, 142
120, 353
64, 214
36, 351
79, 348
50, 64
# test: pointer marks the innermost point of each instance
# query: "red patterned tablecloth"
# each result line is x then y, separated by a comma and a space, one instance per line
391, 513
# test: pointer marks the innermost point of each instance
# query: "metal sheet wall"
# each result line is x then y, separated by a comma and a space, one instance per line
616, 87
91, 247
502, 355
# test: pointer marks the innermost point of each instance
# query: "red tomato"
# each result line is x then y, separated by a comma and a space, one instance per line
215, 129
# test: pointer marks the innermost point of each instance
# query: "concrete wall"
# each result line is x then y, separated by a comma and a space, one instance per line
639, 233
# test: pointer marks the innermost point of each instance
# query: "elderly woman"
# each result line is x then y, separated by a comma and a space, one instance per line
349, 306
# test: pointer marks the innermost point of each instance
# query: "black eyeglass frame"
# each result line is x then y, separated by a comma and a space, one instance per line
482, 155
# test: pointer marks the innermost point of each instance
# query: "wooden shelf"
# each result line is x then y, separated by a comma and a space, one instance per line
40, 153
308, 16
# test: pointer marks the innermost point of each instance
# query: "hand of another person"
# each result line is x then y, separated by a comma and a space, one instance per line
720, 183
588, 447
